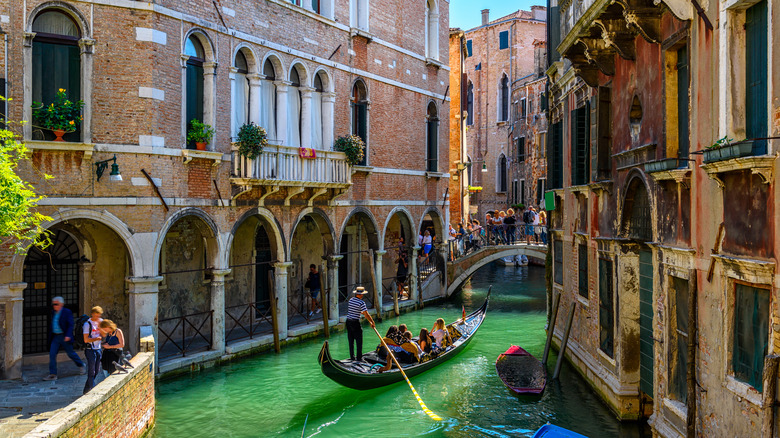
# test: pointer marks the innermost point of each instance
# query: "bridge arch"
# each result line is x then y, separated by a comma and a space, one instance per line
460, 270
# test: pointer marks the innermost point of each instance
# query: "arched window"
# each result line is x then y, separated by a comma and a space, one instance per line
432, 131
501, 174
470, 104
359, 104
503, 96
358, 14
240, 101
316, 112
431, 30
56, 62
193, 49
294, 109
268, 99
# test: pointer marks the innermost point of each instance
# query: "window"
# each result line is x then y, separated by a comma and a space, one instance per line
469, 48
522, 108
358, 16
514, 191
558, 261
431, 30
240, 89
751, 334
521, 149
503, 96
268, 100
56, 62
540, 186
580, 145
432, 131
503, 40
522, 192
501, 174
582, 268
606, 309
683, 137
756, 112
317, 114
678, 340
315, 6
294, 108
359, 103
470, 104
541, 145
604, 127
193, 49
556, 156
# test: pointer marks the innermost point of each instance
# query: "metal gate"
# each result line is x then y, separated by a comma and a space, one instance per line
646, 322
49, 273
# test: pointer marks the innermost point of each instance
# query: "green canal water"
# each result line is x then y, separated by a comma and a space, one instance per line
272, 395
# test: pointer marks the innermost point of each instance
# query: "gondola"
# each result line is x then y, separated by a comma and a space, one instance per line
363, 375
551, 431
521, 372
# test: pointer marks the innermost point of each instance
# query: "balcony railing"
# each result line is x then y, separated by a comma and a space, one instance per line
282, 165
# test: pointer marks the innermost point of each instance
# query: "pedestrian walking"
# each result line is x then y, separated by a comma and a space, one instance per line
61, 334
543, 225
528, 218
313, 283
112, 346
93, 340
536, 223
355, 310
403, 271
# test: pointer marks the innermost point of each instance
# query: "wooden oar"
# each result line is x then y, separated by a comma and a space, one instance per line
417, 396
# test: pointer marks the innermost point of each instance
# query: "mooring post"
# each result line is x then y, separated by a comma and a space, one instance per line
551, 326
324, 301
377, 301
274, 319
562, 351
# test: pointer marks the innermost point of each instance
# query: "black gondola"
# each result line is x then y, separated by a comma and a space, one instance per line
363, 375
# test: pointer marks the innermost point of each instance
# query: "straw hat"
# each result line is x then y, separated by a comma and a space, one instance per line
360, 290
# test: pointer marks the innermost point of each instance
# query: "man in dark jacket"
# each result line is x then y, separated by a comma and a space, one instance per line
61, 332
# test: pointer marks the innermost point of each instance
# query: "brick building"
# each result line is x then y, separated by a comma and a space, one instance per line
459, 163
201, 238
499, 54
664, 247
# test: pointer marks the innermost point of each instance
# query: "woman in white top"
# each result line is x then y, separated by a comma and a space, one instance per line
426, 241
440, 334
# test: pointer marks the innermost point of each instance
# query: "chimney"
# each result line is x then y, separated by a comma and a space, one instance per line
485, 16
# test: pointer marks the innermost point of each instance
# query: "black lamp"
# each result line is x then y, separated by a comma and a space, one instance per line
102, 165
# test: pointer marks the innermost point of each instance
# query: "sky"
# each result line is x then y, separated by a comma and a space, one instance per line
466, 14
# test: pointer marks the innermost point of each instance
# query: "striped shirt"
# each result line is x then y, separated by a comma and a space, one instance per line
356, 308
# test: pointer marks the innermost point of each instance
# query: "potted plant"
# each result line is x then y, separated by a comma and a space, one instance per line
726, 148
664, 164
475, 189
353, 146
200, 133
251, 140
61, 116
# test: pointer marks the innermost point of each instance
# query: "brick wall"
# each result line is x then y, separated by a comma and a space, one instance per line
122, 405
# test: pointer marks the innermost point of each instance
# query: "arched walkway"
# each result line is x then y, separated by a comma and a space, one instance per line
399, 238
359, 234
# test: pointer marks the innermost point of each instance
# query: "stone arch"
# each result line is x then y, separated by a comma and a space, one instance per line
636, 218
209, 48
276, 62
404, 213
374, 238
213, 249
322, 220
303, 72
274, 225
65, 8
438, 223
325, 77
250, 55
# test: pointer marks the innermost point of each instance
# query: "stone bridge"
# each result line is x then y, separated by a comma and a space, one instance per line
461, 269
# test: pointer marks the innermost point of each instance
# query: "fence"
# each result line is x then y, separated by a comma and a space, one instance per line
283, 163
496, 235
248, 320
185, 334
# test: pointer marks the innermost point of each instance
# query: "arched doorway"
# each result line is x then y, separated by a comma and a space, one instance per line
399, 238
432, 262
312, 241
358, 236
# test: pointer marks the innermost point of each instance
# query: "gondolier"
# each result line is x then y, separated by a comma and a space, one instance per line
354, 330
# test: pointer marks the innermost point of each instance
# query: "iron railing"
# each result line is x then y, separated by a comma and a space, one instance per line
496, 235
284, 164
248, 320
190, 332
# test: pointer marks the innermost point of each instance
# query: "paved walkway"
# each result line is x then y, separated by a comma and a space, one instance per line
28, 402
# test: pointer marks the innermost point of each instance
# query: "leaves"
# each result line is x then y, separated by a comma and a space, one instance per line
251, 140
200, 132
62, 114
353, 146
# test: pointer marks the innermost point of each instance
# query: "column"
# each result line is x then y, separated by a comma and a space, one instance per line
413, 282
328, 105
85, 286
378, 276
280, 277
11, 297
218, 309
86, 45
254, 98
142, 303
210, 98
443, 268
281, 111
333, 281
306, 116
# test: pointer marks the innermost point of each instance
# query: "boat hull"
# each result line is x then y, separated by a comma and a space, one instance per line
521, 372
552, 431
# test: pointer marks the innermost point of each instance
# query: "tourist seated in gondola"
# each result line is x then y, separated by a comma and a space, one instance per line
424, 341
440, 335
394, 334
406, 353
402, 329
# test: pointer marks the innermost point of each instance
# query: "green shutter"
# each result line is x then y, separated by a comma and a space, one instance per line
194, 86
646, 343
683, 148
582, 267
521, 149
362, 128
580, 139
678, 354
751, 334
556, 155
606, 309
433, 146
468, 48
756, 112
558, 261
503, 40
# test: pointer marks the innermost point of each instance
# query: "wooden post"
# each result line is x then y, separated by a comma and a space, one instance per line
770, 393
692, 336
562, 351
551, 327
324, 302
395, 300
377, 303
274, 317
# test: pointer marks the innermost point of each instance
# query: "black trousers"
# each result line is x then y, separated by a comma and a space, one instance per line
355, 335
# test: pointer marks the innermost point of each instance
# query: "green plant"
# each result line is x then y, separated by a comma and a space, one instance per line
353, 146
518, 207
251, 140
62, 114
723, 142
200, 132
475, 188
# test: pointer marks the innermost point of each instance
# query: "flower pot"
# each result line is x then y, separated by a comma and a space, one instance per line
742, 149
712, 155
58, 133
201, 146
661, 165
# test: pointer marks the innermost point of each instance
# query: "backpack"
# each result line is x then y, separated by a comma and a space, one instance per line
78, 332
527, 217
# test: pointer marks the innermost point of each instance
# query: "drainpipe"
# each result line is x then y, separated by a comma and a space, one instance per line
5, 76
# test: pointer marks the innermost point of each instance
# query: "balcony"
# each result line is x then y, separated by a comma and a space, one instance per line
282, 167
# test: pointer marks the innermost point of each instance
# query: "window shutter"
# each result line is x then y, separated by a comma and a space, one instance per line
433, 146
468, 48
594, 138
503, 40
756, 75
683, 143
579, 145
521, 149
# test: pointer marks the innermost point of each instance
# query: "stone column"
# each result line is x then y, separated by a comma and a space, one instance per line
306, 116
413, 282
443, 253
433, 37
11, 329
280, 277
328, 105
143, 303
254, 98
281, 111
333, 281
85, 286
86, 45
218, 307
210, 99
378, 274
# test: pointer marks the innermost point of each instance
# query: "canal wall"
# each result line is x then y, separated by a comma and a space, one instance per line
122, 405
